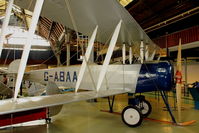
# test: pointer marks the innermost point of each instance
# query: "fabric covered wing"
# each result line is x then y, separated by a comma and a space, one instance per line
84, 15
30, 103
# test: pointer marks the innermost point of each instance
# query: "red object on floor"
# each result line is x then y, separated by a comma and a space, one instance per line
25, 116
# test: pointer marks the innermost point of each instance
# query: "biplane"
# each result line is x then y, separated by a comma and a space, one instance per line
103, 21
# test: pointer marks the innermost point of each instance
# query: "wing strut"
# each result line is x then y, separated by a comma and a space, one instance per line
130, 55
86, 58
124, 53
142, 52
23, 62
147, 52
152, 56
5, 24
108, 55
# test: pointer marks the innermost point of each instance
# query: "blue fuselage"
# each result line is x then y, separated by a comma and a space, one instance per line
136, 77
154, 77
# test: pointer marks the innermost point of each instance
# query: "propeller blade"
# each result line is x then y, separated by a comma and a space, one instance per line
179, 80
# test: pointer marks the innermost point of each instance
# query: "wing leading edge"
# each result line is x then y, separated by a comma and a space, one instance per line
30, 103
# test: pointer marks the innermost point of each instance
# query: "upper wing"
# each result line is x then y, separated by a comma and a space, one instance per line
84, 15
30, 103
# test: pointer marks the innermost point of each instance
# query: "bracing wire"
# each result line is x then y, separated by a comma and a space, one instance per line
76, 30
30, 4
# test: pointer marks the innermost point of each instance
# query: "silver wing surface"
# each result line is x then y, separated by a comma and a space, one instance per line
84, 15
30, 103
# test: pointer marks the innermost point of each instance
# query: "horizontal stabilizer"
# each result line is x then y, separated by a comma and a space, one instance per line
52, 88
4, 90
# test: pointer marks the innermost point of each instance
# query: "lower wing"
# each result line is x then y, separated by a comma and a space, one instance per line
30, 103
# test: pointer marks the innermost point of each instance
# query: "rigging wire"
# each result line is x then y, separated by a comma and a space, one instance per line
76, 30
30, 4
9, 50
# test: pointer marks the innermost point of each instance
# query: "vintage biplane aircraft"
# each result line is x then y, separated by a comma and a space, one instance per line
103, 21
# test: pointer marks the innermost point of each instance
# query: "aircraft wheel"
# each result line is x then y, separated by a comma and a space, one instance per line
131, 116
145, 108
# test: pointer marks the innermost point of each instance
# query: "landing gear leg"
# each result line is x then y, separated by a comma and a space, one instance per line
48, 119
111, 103
167, 105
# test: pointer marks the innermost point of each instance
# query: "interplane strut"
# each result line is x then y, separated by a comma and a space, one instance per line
85, 59
108, 55
27, 47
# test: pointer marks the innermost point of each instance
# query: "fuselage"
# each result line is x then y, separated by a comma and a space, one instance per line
154, 77
136, 77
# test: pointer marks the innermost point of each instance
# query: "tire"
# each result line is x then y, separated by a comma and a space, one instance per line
145, 108
131, 116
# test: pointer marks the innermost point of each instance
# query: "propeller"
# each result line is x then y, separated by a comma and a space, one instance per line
178, 77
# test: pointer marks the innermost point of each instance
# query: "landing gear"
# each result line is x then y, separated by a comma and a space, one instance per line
164, 97
111, 103
143, 105
145, 108
131, 116
138, 109
48, 120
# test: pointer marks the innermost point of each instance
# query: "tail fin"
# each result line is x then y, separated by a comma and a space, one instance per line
14, 66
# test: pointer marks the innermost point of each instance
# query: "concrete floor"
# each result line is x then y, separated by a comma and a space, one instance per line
86, 117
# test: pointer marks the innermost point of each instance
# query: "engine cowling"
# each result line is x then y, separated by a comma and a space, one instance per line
154, 77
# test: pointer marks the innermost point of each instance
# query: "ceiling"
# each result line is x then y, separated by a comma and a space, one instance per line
161, 17
151, 12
